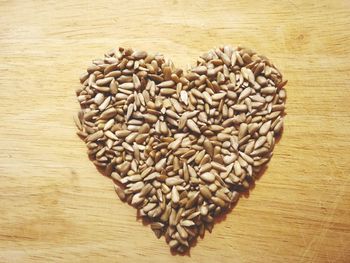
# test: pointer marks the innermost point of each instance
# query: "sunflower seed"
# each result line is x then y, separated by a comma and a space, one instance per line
192, 126
94, 136
175, 197
207, 177
171, 181
265, 128
119, 192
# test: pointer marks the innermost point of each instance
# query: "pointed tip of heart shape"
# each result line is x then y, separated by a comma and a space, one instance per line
181, 145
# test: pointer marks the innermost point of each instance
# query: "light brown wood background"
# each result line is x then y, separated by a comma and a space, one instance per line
56, 207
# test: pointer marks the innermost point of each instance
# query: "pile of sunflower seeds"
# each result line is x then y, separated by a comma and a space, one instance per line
180, 146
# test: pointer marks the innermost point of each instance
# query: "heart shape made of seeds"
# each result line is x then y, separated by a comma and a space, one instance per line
181, 146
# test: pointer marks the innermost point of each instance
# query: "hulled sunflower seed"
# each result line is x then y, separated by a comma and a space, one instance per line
207, 177
192, 126
119, 192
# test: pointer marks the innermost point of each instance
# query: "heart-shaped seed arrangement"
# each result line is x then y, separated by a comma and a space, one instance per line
181, 146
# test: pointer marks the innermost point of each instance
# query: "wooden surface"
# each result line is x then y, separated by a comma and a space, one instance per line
55, 206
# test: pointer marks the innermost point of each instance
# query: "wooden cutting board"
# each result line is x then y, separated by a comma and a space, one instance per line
56, 207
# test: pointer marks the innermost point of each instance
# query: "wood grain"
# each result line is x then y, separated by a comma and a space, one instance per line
56, 207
